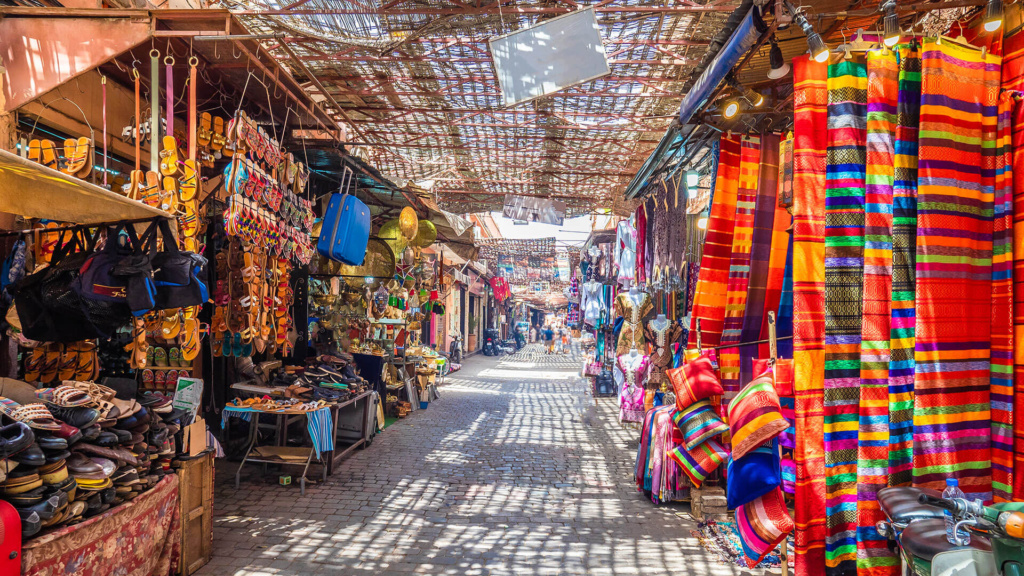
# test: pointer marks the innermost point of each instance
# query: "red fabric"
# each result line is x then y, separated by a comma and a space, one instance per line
1017, 125
641, 244
139, 538
809, 101
1013, 62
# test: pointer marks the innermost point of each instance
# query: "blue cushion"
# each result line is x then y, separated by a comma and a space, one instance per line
755, 474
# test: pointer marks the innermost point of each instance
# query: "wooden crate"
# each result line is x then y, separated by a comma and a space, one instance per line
708, 502
195, 504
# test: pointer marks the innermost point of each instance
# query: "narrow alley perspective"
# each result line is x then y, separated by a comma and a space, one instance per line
517, 470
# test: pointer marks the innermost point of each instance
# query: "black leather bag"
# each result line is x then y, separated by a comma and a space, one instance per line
49, 308
177, 275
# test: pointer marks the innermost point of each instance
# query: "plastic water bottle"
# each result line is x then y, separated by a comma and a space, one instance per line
963, 537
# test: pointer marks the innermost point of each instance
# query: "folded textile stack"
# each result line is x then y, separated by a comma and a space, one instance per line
74, 451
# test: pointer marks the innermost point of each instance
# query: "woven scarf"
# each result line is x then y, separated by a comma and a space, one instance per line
952, 409
713, 279
786, 172
755, 314
784, 320
1018, 296
844, 278
904, 255
1001, 364
873, 556
739, 264
810, 98
1013, 62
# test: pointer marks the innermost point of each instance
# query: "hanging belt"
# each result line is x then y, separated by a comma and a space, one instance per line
169, 94
154, 110
138, 123
192, 127
103, 83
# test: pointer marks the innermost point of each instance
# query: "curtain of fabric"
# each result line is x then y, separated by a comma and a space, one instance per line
810, 98
739, 264
952, 409
765, 206
844, 277
710, 293
873, 555
1018, 295
1001, 367
904, 255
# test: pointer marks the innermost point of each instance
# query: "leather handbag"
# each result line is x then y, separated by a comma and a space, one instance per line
177, 274
345, 229
104, 277
51, 310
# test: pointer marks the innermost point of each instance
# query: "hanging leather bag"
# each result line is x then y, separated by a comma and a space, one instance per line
177, 275
51, 310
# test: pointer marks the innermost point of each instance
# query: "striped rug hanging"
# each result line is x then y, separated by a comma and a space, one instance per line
873, 555
904, 254
810, 97
761, 253
739, 264
781, 237
1001, 388
713, 279
844, 279
1018, 296
952, 409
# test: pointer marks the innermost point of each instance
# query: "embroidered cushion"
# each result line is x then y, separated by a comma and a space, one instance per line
698, 423
755, 416
762, 524
694, 381
753, 475
701, 461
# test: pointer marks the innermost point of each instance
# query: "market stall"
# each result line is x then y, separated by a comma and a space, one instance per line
837, 301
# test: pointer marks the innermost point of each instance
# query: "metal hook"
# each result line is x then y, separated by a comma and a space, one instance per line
239, 55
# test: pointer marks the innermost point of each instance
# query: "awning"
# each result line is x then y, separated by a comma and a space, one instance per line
32, 190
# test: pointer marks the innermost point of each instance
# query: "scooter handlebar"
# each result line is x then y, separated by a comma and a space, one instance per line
937, 502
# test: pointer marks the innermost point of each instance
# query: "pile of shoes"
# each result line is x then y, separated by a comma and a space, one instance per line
74, 451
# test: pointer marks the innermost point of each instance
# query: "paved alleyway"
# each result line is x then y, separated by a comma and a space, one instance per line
501, 476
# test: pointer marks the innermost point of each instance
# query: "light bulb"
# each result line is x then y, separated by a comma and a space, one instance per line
891, 26
993, 15
731, 109
702, 223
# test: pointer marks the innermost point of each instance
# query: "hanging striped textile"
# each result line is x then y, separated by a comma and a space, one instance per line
739, 264
784, 320
844, 278
709, 296
1018, 295
1001, 366
755, 314
777, 263
873, 555
952, 410
1013, 62
904, 255
785, 194
810, 98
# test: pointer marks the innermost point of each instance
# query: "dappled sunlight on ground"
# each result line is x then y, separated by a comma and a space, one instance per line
500, 476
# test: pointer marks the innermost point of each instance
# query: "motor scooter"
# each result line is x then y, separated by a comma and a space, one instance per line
916, 528
455, 348
491, 345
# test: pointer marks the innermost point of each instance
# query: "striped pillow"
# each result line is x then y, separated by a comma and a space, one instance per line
694, 381
755, 416
701, 461
699, 423
762, 524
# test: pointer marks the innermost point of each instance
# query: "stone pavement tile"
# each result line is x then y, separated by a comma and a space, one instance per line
498, 477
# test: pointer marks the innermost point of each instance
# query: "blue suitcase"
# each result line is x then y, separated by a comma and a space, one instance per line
346, 227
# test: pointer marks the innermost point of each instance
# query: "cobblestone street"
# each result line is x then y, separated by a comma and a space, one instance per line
513, 471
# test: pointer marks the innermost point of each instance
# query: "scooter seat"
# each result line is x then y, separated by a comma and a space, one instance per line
926, 538
901, 506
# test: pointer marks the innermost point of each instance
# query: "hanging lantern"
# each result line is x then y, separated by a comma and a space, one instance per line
425, 235
408, 222
391, 232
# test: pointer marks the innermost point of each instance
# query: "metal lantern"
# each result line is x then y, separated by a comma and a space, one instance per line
408, 222
409, 256
425, 235
391, 232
